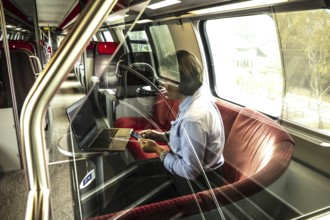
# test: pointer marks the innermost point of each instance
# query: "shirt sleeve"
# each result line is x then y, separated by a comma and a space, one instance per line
193, 143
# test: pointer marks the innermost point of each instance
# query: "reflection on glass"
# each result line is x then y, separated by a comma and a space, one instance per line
306, 56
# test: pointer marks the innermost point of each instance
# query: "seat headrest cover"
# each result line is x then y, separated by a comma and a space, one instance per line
19, 45
106, 48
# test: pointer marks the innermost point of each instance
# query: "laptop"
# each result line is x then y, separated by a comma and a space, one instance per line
87, 134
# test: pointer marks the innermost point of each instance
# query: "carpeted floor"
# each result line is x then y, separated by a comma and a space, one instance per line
13, 195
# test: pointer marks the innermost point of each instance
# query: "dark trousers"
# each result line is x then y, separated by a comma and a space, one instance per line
150, 182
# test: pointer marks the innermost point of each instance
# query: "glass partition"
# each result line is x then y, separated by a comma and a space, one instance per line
116, 91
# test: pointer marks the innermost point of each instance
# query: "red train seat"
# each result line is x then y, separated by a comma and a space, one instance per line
18, 44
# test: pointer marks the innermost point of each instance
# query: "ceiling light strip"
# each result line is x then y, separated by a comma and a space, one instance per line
163, 4
241, 5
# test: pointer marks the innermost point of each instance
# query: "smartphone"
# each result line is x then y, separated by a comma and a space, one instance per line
135, 135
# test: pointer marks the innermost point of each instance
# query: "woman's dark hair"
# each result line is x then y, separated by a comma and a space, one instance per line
191, 71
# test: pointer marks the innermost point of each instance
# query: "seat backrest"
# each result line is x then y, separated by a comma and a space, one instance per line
18, 44
257, 152
28, 46
23, 75
146, 64
165, 111
106, 48
253, 143
145, 57
228, 113
84, 65
103, 68
141, 68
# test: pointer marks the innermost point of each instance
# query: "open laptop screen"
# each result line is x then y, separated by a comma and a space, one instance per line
83, 122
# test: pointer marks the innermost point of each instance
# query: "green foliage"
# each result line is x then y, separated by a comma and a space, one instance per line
305, 42
306, 48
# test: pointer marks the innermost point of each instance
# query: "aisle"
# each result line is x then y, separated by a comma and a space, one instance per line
59, 165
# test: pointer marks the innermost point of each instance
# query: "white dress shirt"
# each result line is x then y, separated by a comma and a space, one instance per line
196, 137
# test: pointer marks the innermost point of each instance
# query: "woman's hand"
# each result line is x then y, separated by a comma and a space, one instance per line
150, 146
153, 134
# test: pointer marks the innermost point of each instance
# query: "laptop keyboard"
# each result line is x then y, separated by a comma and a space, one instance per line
104, 138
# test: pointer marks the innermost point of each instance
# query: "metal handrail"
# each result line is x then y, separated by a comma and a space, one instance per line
40, 95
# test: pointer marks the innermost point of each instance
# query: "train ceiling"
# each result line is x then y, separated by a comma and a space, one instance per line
59, 13
54, 12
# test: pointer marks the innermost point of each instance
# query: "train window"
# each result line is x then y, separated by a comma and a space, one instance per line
139, 41
107, 36
159, 34
246, 61
99, 37
289, 79
306, 58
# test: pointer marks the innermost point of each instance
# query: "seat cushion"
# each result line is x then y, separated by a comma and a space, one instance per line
136, 123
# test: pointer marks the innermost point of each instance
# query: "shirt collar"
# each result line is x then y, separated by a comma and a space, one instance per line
189, 99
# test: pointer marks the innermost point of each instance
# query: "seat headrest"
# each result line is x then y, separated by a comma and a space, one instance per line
19, 45
106, 48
